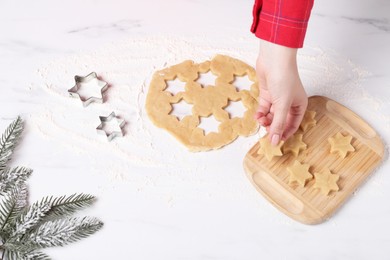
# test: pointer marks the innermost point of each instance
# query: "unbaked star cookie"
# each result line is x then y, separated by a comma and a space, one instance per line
308, 120
269, 150
341, 144
294, 145
326, 181
299, 173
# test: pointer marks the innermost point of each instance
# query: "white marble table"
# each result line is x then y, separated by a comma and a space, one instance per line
157, 200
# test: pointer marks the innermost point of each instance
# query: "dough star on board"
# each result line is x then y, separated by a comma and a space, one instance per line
299, 173
294, 145
341, 144
269, 150
308, 120
326, 181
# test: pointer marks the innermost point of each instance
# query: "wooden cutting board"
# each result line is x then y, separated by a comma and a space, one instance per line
306, 204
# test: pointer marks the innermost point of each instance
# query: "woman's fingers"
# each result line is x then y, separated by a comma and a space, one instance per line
265, 120
277, 126
263, 108
294, 119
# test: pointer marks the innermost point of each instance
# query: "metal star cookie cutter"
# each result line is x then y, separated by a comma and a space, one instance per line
113, 134
80, 80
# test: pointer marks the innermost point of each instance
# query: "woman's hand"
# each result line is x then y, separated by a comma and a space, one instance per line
283, 99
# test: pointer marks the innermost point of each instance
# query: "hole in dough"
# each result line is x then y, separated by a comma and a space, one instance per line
181, 109
187, 130
175, 86
242, 83
235, 109
209, 124
206, 79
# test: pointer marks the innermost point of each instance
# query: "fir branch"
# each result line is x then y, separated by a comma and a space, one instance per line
6, 207
12, 205
10, 255
33, 255
58, 232
87, 226
9, 140
28, 219
21, 201
25, 229
67, 205
11, 177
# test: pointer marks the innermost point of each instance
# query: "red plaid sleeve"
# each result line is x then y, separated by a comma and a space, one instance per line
283, 22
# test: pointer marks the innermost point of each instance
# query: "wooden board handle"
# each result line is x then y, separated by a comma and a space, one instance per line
282, 198
350, 120
355, 125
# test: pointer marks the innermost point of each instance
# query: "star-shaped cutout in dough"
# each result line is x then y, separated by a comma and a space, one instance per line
93, 79
341, 144
308, 120
326, 181
294, 145
269, 150
299, 173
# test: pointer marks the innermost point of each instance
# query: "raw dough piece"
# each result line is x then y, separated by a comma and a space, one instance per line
299, 173
294, 145
206, 101
308, 120
326, 181
341, 144
269, 150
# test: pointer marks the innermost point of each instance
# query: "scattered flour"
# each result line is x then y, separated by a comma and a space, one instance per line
127, 67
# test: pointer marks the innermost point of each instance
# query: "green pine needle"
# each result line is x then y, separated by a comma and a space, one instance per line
9, 140
6, 207
67, 205
58, 232
25, 229
11, 177
87, 226
12, 205
34, 255
28, 219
